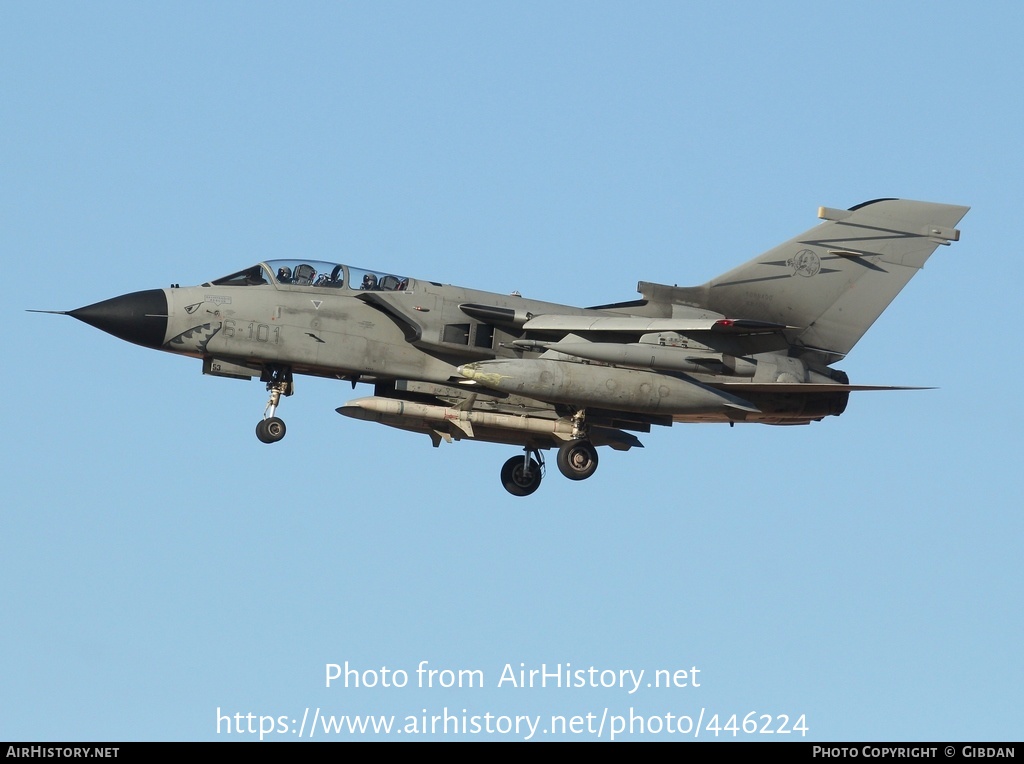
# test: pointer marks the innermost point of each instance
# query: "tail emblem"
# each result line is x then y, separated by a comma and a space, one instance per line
805, 263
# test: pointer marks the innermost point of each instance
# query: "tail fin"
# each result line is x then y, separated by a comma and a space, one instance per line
834, 280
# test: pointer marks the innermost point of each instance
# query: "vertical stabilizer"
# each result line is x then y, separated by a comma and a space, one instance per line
835, 280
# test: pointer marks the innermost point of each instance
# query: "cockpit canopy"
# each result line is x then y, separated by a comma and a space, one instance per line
315, 273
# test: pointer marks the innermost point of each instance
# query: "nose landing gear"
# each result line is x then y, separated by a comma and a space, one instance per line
271, 428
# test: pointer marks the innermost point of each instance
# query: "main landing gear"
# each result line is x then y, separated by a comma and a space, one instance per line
521, 475
271, 428
577, 460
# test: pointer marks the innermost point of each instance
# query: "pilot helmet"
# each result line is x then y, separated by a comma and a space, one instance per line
369, 281
284, 273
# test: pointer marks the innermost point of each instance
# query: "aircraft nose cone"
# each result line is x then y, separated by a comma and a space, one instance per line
139, 317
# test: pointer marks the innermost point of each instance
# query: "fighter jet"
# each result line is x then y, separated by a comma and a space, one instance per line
756, 344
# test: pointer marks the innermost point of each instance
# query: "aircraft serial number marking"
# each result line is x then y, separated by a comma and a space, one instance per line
252, 332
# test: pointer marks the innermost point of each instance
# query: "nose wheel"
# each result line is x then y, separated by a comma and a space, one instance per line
271, 428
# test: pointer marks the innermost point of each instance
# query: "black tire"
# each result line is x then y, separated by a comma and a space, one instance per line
515, 479
270, 430
577, 459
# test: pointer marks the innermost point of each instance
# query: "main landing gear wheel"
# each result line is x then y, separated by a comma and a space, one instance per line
270, 430
520, 478
577, 459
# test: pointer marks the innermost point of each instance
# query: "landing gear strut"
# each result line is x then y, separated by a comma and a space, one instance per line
577, 458
521, 475
271, 428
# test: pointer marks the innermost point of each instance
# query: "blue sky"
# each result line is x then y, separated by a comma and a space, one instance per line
161, 563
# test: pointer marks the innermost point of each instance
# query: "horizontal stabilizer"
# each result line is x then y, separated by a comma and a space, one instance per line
640, 325
800, 387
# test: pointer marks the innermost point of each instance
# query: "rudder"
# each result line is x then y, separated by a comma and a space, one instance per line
833, 281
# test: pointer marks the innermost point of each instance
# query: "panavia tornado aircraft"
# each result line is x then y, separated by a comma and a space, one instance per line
756, 344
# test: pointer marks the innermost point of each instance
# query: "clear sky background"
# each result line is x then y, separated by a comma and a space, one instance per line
160, 563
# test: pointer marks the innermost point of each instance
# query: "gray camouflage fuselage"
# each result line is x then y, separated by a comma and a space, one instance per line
754, 345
